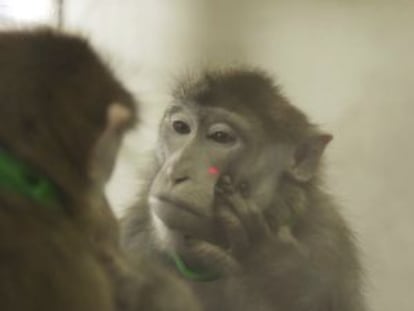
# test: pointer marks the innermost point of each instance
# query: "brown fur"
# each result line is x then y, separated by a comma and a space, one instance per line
300, 254
55, 95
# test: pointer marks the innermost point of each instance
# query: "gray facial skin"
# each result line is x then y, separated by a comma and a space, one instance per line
237, 195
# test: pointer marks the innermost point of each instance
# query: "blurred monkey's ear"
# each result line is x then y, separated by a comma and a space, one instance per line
106, 148
307, 155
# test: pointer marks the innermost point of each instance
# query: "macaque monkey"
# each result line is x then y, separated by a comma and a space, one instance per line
236, 205
63, 115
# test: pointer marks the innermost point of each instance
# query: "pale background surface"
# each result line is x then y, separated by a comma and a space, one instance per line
348, 64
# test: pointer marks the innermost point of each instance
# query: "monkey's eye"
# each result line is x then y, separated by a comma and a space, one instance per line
181, 127
222, 137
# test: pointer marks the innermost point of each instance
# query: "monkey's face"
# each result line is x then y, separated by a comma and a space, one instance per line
197, 146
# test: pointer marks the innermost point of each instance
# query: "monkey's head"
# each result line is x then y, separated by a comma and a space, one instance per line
234, 123
62, 111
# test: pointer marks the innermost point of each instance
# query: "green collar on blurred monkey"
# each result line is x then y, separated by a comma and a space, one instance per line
192, 274
18, 177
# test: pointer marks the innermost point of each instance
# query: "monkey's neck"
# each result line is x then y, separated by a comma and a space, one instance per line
18, 177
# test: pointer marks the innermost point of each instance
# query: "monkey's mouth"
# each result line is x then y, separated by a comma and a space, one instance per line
181, 218
180, 204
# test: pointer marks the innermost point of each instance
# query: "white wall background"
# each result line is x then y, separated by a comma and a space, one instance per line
21, 13
349, 64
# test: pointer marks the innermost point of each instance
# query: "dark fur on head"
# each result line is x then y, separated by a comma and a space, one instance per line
39, 69
247, 90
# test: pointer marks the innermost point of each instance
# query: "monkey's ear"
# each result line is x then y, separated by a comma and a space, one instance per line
118, 117
106, 148
307, 156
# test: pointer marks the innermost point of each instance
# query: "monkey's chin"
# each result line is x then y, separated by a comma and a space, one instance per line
169, 240
176, 223
176, 246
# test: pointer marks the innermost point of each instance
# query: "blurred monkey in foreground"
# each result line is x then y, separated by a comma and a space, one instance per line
62, 118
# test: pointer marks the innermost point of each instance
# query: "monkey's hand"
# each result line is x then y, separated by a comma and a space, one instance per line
242, 229
248, 231
246, 234
243, 223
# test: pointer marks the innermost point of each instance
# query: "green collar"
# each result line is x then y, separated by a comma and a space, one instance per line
188, 273
20, 178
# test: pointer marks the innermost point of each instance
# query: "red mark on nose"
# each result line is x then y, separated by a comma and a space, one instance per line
212, 170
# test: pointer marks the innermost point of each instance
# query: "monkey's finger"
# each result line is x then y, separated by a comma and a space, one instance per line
226, 180
225, 185
240, 206
214, 256
236, 235
250, 216
244, 190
